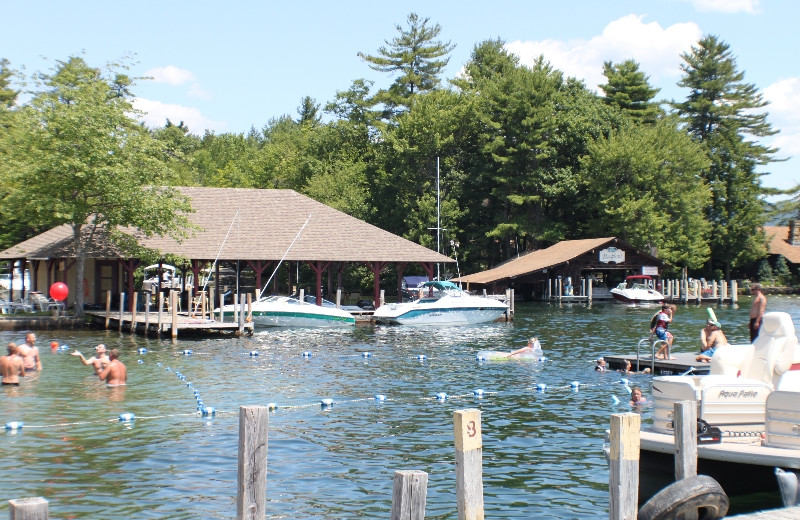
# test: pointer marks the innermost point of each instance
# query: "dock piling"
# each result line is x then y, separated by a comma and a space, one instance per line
623, 469
469, 461
251, 496
108, 308
685, 422
409, 495
28, 509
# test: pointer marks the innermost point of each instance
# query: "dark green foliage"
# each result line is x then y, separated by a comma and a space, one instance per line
628, 88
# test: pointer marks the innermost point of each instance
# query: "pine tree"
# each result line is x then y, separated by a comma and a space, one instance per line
722, 112
417, 56
628, 88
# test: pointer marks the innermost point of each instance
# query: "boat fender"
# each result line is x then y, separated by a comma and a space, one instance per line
787, 483
699, 493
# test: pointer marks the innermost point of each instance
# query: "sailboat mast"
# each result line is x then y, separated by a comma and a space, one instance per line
438, 218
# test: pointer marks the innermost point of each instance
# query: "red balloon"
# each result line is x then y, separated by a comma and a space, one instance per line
59, 291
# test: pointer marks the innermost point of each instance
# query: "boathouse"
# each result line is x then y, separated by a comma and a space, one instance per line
784, 241
537, 274
252, 228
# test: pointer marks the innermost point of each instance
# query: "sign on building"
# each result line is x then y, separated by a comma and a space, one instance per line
612, 255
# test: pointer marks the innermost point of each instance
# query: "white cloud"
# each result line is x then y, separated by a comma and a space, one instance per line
171, 75
157, 113
195, 91
784, 113
727, 6
656, 49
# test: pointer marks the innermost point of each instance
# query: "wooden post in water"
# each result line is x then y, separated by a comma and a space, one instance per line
133, 311
250, 307
734, 291
409, 495
221, 306
241, 313
160, 311
28, 509
211, 303
339, 298
147, 316
108, 308
121, 309
251, 495
623, 468
383, 298
469, 460
173, 306
724, 291
685, 413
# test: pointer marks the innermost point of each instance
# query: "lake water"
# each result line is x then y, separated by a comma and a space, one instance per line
542, 451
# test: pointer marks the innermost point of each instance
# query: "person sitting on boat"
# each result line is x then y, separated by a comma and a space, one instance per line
533, 348
637, 398
601, 365
662, 320
711, 337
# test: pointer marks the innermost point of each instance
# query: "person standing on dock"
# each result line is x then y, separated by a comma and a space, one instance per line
99, 361
115, 373
756, 310
29, 353
662, 320
11, 367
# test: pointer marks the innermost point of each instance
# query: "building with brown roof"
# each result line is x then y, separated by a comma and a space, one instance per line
607, 259
253, 227
785, 241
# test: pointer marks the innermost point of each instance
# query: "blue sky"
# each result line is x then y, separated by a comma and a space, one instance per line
230, 66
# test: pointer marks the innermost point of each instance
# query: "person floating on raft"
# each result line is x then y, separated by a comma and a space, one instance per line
532, 349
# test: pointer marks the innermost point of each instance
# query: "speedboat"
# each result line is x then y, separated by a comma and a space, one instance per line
748, 411
637, 289
445, 304
285, 311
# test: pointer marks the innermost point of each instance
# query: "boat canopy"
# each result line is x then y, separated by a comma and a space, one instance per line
441, 286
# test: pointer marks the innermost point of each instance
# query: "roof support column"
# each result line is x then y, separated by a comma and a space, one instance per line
318, 267
428, 267
130, 266
376, 268
400, 268
259, 267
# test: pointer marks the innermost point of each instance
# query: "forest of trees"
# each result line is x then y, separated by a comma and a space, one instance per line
528, 157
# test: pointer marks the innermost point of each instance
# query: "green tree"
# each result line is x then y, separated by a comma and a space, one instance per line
8, 96
646, 181
629, 89
308, 112
783, 275
416, 55
723, 113
90, 165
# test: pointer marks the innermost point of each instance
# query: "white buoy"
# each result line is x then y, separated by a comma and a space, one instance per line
142, 351
326, 402
158, 364
366, 354
253, 353
481, 357
421, 357
272, 407
575, 384
14, 425
187, 352
380, 397
542, 359
208, 411
478, 393
442, 396
126, 417
140, 362
307, 354
541, 387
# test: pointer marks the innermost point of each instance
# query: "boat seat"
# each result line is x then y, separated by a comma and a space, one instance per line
767, 359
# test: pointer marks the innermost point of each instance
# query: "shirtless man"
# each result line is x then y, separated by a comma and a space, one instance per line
30, 353
711, 337
99, 361
11, 367
115, 373
756, 310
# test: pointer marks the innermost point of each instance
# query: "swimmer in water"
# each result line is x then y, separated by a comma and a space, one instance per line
115, 373
636, 397
11, 367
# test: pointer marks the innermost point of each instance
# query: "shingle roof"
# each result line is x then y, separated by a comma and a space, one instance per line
536, 260
778, 237
267, 223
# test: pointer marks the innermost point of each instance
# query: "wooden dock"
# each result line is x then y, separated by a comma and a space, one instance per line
681, 364
787, 513
144, 324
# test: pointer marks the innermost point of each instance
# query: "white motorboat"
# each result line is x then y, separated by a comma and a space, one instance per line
638, 288
751, 401
285, 311
444, 304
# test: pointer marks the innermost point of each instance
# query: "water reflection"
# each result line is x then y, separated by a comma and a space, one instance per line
542, 450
